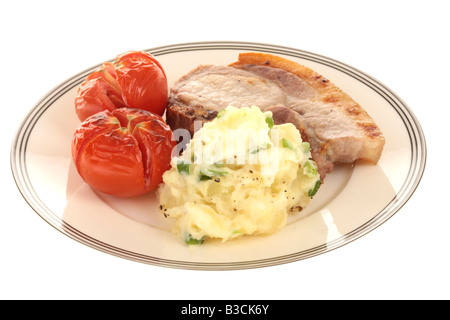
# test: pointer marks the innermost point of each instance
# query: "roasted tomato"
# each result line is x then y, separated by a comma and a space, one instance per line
135, 80
123, 152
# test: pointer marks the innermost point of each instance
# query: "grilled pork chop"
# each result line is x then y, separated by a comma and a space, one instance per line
338, 128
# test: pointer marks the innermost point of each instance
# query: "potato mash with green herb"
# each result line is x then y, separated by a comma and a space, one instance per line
239, 175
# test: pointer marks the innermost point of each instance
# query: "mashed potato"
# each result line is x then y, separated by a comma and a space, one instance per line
239, 175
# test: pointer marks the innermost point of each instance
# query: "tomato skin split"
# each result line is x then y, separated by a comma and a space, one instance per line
123, 152
97, 95
135, 79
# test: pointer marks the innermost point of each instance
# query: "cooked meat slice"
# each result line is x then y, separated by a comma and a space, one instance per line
215, 87
337, 127
341, 128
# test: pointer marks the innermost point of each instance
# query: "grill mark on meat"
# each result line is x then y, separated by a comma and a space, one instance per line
370, 129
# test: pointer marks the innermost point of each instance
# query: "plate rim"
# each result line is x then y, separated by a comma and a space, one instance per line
418, 159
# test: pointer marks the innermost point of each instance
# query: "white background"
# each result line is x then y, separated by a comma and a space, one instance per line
403, 44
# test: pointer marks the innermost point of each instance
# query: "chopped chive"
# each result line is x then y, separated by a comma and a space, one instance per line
190, 240
209, 173
204, 176
270, 122
310, 168
221, 113
313, 191
218, 172
267, 146
287, 144
183, 166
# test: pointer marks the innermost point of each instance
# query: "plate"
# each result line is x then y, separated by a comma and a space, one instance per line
354, 200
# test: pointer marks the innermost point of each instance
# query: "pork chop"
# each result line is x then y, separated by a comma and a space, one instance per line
338, 128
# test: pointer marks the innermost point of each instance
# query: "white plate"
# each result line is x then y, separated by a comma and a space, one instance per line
353, 201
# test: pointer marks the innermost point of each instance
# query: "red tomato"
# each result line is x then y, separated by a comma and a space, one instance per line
123, 152
135, 79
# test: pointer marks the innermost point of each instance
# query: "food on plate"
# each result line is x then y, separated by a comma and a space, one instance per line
259, 136
338, 128
123, 152
240, 174
135, 79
